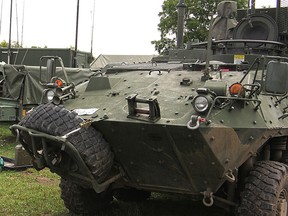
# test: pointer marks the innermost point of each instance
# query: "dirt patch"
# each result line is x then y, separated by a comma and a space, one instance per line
47, 181
40, 179
27, 172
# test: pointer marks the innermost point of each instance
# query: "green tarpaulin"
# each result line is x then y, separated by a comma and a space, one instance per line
16, 79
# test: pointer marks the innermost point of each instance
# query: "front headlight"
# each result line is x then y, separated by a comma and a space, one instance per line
50, 94
47, 95
201, 103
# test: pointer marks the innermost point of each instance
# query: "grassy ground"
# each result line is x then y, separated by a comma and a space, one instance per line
7, 141
30, 192
27, 192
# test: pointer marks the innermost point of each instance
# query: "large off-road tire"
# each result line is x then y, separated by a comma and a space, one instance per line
83, 201
58, 121
131, 194
266, 190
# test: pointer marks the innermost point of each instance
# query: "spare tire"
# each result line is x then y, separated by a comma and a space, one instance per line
256, 27
58, 121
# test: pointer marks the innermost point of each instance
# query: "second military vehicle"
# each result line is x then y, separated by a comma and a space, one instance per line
20, 89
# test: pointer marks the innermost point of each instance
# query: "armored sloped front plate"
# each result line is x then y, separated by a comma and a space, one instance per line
101, 83
98, 83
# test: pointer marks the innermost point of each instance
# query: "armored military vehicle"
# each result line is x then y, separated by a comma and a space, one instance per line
208, 120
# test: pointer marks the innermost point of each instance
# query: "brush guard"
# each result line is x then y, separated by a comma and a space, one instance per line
72, 167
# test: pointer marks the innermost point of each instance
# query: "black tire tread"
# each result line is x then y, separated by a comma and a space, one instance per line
261, 191
58, 121
83, 201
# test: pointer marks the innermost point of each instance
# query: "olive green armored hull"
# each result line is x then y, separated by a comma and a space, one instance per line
160, 152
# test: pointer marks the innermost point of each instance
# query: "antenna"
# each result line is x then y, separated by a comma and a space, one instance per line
92, 29
76, 36
17, 23
9, 53
1, 16
22, 28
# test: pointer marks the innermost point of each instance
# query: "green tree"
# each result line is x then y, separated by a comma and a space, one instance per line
14, 44
196, 21
3, 44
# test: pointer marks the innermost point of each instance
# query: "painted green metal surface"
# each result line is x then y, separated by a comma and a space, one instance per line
8, 109
188, 161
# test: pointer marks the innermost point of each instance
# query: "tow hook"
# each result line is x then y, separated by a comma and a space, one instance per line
229, 176
208, 198
194, 123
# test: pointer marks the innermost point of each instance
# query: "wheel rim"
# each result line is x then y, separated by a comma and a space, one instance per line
282, 203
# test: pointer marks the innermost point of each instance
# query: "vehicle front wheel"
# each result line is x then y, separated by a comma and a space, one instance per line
84, 201
266, 190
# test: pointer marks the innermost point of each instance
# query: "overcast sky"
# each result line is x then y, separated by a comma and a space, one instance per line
120, 26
